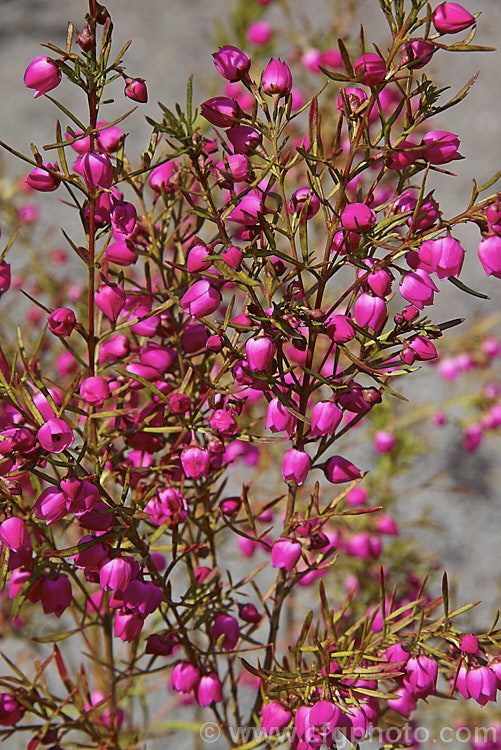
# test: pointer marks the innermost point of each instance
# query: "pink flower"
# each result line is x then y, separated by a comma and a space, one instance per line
450, 18
135, 89
370, 69
115, 575
209, 689
227, 626
43, 75
489, 253
370, 311
285, 553
97, 170
274, 717
358, 217
277, 78
221, 111
55, 435
185, 677
40, 179
325, 418
14, 533
295, 466
260, 352
231, 63
201, 299
61, 322
339, 469
440, 147
11, 711
56, 594
195, 462
259, 32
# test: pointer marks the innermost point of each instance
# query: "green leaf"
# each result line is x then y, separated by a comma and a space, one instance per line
461, 285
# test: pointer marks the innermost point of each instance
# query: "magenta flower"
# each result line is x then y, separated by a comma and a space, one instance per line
370, 312
135, 89
227, 626
184, 677
123, 217
55, 435
209, 690
122, 252
115, 575
440, 147
94, 390
259, 33
444, 256
14, 533
110, 298
384, 441
11, 711
274, 717
195, 462
370, 69
51, 505
277, 78
304, 202
221, 111
56, 594
354, 97
450, 18
358, 217
339, 469
61, 322
285, 553
43, 75
231, 63
325, 418
489, 253
201, 299
40, 179
469, 644
260, 352
243, 138
160, 177
278, 419
295, 466
97, 170
421, 676
417, 288
127, 626
417, 53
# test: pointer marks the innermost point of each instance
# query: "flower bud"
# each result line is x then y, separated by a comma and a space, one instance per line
43, 75
450, 18
340, 329
127, 626
195, 462
14, 533
110, 298
285, 554
184, 677
232, 256
51, 505
384, 441
339, 469
304, 202
274, 717
209, 690
278, 419
259, 33
97, 170
196, 260
260, 352
62, 321
221, 111
417, 288
5, 276
201, 299
135, 89
243, 138
116, 574
277, 78
325, 418
370, 312
469, 644
417, 53
440, 147
355, 97
370, 69
122, 252
11, 711
40, 179
249, 613
123, 217
227, 626
55, 435
489, 253
358, 217
160, 177
295, 466
231, 63
56, 594
94, 390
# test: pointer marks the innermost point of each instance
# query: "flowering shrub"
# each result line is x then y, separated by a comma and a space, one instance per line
247, 296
